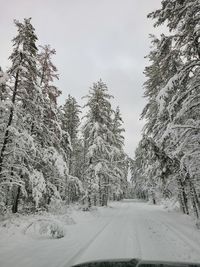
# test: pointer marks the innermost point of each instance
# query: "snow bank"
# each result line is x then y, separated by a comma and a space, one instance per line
45, 228
46, 225
170, 204
38, 226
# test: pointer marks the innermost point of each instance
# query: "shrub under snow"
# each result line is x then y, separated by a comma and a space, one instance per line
45, 229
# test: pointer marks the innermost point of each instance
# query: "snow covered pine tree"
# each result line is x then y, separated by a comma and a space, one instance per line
103, 145
172, 90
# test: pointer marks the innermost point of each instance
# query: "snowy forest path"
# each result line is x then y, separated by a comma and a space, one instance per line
88, 244
126, 229
145, 231
118, 240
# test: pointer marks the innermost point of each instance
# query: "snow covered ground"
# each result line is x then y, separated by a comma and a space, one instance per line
127, 229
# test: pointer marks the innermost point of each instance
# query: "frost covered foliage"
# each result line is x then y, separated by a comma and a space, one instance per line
172, 112
38, 186
45, 157
45, 229
33, 161
70, 121
105, 174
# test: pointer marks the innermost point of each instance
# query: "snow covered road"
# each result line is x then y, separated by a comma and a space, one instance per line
139, 230
126, 229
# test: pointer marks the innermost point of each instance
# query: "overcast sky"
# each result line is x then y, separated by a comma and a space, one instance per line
94, 39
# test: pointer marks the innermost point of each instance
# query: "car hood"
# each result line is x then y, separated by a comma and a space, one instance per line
136, 263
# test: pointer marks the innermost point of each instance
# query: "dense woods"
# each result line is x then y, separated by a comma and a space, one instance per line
51, 153
70, 193
166, 163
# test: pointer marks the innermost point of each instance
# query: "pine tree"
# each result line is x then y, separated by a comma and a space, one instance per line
51, 136
4, 108
172, 111
17, 143
161, 74
183, 107
119, 161
96, 135
71, 122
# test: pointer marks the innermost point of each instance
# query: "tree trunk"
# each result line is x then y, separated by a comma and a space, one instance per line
89, 195
89, 201
6, 136
196, 197
193, 199
16, 199
182, 196
95, 200
70, 163
100, 193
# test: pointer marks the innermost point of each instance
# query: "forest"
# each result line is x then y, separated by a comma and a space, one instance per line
166, 163
87, 179
51, 153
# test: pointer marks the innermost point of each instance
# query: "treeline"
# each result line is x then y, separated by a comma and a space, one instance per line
167, 159
47, 152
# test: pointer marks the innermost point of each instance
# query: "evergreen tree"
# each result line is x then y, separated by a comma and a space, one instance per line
54, 162
172, 111
70, 124
4, 108
17, 143
119, 161
184, 105
98, 149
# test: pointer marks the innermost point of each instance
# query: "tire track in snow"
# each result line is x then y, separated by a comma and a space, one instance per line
132, 220
165, 235
81, 251
181, 236
137, 238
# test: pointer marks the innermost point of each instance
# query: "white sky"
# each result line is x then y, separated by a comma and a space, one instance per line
94, 39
